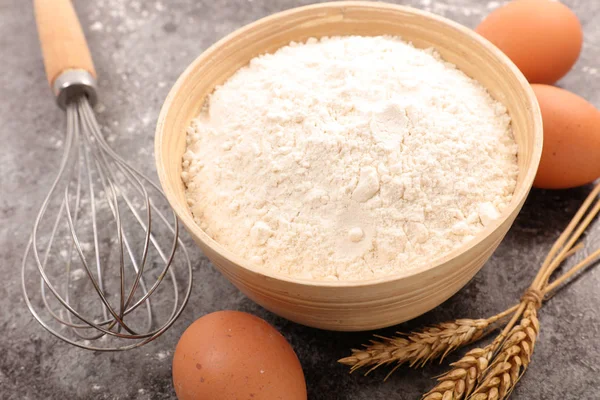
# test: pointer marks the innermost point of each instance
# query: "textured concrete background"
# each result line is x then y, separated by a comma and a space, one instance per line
140, 47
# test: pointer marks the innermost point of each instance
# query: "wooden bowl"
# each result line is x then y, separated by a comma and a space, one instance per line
351, 305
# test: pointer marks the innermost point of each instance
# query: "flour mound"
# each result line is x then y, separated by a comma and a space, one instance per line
348, 158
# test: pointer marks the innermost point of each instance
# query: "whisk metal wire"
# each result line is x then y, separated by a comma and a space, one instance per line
87, 151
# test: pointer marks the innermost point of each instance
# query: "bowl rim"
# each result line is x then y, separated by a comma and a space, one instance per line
516, 201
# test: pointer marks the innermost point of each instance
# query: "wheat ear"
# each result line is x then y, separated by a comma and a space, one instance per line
512, 361
419, 348
459, 382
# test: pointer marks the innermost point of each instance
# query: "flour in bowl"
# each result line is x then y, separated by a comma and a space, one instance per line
348, 158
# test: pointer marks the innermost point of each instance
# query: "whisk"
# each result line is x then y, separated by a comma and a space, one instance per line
104, 244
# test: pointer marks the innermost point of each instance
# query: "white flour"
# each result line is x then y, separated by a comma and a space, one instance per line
348, 158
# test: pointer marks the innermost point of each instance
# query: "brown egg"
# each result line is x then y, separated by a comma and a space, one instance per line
231, 355
571, 153
542, 37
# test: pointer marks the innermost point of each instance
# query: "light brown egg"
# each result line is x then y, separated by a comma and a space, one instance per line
542, 37
231, 355
571, 153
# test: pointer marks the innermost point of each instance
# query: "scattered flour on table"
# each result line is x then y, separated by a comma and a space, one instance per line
348, 158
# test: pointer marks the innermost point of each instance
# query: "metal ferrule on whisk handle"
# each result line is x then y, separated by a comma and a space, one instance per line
73, 83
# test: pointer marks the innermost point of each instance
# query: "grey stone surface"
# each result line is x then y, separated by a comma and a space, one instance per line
140, 47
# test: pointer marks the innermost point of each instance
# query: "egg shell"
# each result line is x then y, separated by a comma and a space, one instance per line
231, 355
542, 37
571, 152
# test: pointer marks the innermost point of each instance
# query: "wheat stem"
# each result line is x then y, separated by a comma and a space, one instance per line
574, 221
551, 262
589, 260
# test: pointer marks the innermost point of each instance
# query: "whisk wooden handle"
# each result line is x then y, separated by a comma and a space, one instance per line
62, 40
